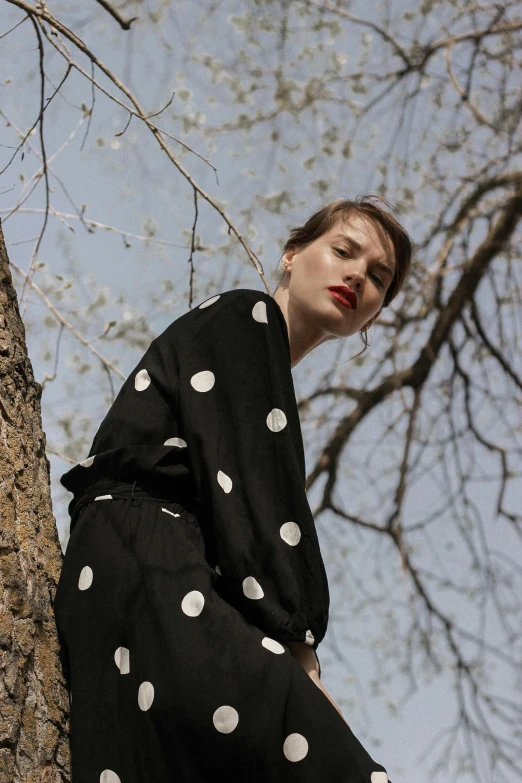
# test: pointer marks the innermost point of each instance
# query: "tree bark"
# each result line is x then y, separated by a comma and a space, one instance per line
34, 700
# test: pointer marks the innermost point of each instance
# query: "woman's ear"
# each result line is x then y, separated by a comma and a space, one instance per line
371, 321
287, 256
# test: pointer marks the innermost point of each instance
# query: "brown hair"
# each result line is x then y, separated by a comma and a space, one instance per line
373, 207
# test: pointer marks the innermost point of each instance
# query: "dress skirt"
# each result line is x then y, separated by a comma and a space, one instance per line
169, 682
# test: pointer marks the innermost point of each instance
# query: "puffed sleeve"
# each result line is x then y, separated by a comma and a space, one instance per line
241, 423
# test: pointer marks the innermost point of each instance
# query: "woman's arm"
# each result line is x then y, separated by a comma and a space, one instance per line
306, 656
239, 418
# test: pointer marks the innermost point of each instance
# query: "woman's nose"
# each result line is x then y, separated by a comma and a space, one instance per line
355, 279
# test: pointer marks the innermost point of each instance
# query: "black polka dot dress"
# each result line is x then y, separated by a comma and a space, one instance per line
192, 562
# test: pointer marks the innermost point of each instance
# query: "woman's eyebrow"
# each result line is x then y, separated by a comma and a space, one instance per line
356, 246
384, 267
350, 241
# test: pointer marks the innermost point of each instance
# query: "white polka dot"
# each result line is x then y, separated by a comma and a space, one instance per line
290, 533
142, 380
121, 658
103, 497
225, 719
259, 312
276, 420
176, 442
170, 512
145, 696
85, 580
218, 570
379, 777
272, 645
224, 481
203, 381
309, 638
193, 603
252, 588
295, 747
86, 463
209, 302
108, 776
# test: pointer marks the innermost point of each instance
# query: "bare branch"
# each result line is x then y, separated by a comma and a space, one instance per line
385, 35
34, 256
7, 32
60, 318
463, 94
491, 348
124, 23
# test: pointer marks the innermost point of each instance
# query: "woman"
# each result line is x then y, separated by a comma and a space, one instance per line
193, 594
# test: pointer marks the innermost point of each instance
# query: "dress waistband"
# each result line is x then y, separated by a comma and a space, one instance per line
108, 489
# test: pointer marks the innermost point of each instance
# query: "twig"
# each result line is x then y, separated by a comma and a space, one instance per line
32, 265
365, 23
59, 317
193, 248
7, 32
49, 378
38, 175
95, 224
91, 110
55, 453
465, 98
124, 23
26, 135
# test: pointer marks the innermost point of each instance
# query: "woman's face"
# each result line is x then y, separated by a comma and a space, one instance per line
356, 252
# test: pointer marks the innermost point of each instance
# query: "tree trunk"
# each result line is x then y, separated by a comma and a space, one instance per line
34, 702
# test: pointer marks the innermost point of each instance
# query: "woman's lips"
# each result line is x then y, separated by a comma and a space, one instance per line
347, 299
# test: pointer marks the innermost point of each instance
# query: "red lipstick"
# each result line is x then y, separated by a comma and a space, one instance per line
344, 295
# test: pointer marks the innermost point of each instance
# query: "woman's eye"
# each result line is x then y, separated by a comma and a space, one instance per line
345, 254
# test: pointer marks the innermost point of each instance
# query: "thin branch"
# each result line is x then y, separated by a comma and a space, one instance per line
26, 135
32, 265
481, 119
49, 450
59, 317
491, 348
38, 175
412, 61
124, 23
90, 224
49, 378
7, 32
499, 29
399, 51
90, 111
193, 248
